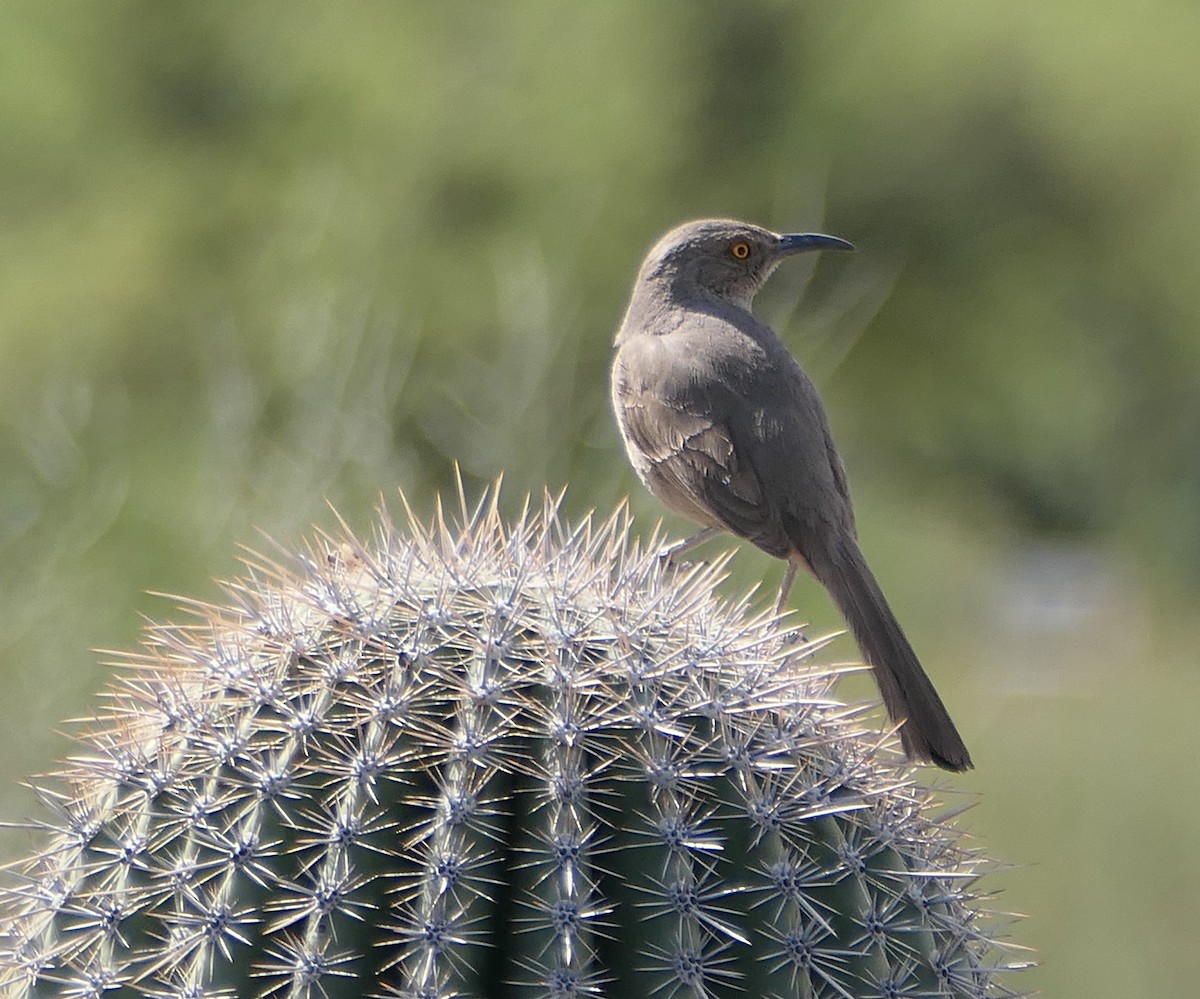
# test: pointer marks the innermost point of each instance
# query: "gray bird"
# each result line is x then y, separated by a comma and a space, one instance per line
724, 427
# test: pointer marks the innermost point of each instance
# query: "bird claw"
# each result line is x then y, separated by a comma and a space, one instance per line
669, 557
670, 560
794, 639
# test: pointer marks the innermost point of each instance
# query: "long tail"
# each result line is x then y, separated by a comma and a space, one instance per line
908, 694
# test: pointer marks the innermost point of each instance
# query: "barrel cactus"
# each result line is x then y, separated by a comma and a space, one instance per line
490, 760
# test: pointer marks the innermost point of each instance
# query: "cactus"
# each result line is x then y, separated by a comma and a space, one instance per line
490, 760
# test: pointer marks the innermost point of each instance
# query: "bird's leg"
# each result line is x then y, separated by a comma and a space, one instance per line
785, 588
795, 636
669, 554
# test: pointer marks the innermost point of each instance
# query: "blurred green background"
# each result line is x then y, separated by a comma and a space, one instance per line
256, 256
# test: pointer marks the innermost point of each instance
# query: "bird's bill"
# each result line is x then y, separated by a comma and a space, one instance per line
801, 242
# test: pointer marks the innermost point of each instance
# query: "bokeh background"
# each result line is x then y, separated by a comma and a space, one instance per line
259, 256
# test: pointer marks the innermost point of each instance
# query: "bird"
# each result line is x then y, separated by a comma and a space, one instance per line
724, 428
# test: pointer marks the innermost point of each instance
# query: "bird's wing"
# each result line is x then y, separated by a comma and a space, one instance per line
693, 458
841, 486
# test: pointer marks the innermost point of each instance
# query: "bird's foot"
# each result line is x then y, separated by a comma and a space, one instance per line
668, 556
794, 641
670, 560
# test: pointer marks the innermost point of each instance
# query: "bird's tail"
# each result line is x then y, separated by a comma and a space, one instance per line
908, 694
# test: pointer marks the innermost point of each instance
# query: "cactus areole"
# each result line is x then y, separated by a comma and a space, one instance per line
489, 760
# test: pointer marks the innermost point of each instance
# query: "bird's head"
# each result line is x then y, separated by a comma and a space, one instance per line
725, 258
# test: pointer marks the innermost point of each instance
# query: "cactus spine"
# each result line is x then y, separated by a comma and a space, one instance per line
489, 760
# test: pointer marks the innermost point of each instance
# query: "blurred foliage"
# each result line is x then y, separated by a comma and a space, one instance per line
256, 256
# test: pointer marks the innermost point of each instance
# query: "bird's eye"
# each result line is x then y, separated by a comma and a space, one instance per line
740, 250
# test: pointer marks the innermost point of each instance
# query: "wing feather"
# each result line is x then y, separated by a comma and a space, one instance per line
693, 463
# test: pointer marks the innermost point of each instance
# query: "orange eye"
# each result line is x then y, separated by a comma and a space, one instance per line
740, 250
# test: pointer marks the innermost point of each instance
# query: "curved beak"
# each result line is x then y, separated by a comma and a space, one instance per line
801, 242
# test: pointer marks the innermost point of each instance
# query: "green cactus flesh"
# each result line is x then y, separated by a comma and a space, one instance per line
522, 760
